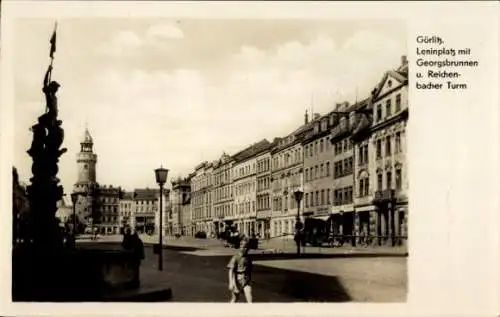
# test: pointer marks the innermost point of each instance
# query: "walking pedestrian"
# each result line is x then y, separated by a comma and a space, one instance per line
240, 271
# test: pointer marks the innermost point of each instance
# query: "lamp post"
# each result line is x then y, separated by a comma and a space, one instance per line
161, 177
298, 224
74, 198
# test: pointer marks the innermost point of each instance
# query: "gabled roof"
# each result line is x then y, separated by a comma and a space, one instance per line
251, 151
399, 76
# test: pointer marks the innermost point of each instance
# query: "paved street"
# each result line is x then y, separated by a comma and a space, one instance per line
195, 270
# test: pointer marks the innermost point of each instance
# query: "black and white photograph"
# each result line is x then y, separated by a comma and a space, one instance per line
200, 160
186, 155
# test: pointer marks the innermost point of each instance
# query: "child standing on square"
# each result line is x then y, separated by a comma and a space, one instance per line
240, 271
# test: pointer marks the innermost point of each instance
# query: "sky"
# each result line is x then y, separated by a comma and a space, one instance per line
178, 92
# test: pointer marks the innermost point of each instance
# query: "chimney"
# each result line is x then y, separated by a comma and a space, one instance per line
404, 60
306, 118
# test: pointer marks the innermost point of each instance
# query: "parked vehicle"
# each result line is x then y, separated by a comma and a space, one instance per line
315, 232
200, 235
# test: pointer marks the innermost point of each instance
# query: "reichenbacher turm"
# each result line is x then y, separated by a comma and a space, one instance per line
86, 179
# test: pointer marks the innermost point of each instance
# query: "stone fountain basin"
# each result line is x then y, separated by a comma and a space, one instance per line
80, 275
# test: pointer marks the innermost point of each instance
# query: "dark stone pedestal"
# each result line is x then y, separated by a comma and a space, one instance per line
79, 275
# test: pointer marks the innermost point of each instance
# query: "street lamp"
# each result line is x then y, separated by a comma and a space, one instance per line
161, 177
298, 224
74, 198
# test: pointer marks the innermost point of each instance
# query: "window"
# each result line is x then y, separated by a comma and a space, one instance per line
398, 179
322, 197
306, 174
388, 110
398, 142
346, 144
327, 143
365, 148
307, 199
379, 113
317, 198
361, 187
360, 155
379, 149
312, 199
316, 172
389, 180
398, 102
321, 146
310, 150
327, 169
322, 171
349, 165
388, 146
324, 124
379, 182
328, 201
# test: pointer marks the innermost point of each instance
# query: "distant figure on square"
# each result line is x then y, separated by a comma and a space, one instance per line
240, 272
127, 240
138, 246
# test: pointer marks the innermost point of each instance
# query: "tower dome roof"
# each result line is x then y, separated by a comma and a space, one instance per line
87, 138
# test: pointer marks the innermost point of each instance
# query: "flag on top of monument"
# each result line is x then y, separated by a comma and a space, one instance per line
53, 42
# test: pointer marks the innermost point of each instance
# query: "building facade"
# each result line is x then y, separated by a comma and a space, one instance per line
109, 204
146, 209
342, 209
222, 193
126, 211
64, 211
264, 192
179, 196
286, 178
350, 164
318, 167
381, 168
186, 214
245, 186
201, 184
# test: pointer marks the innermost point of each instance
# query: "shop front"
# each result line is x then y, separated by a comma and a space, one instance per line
391, 218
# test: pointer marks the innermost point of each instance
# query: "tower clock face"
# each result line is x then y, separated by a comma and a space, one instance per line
86, 166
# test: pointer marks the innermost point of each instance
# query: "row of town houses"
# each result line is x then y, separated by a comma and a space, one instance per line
350, 165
